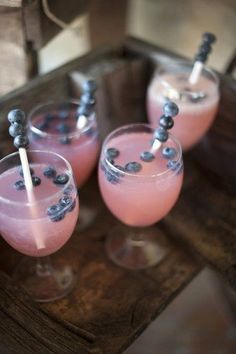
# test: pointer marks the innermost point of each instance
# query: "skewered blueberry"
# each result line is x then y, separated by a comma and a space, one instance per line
21, 141
56, 212
133, 167
161, 134
36, 181
21, 171
65, 140
61, 179
68, 190
209, 37
87, 99
84, 111
67, 203
166, 122
169, 152
63, 114
49, 172
19, 185
16, 116
147, 156
170, 109
175, 166
16, 129
112, 153
89, 86
63, 128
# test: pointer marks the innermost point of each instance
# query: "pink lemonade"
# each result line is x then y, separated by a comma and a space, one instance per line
52, 230
56, 131
139, 198
197, 104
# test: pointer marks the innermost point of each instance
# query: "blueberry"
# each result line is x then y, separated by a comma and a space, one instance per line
42, 125
121, 169
133, 167
87, 99
16, 116
166, 122
21, 171
84, 111
169, 152
49, 117
63, 114
68, 190
175, 166
36, 181
209, 37
67, 203
56, 212
112, 153
21, 141
65, 140
49, 172
161, 134
19, 185
170, 109
111, 177
89, 86
63, 128
147, 156
109, 159
61, 179
16, 129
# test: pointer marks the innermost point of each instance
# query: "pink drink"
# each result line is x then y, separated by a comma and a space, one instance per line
145, 197
80, 148
20, 229
197, 104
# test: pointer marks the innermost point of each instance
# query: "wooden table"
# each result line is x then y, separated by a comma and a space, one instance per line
111, 306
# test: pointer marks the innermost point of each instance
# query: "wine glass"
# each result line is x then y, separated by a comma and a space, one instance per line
139, 188
197, 103
41, 226
53, 126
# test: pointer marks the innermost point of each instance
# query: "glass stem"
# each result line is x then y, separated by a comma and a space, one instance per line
43, 266
135, 237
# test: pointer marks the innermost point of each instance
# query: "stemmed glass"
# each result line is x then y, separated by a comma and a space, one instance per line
42, 226
139, 188
53, 127
197, 103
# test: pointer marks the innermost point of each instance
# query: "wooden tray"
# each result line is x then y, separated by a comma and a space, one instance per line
111, 306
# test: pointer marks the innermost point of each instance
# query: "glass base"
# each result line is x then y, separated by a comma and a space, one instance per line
45, 282
87, 216
135, 248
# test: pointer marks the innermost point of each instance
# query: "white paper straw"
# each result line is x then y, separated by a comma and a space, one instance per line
196, 72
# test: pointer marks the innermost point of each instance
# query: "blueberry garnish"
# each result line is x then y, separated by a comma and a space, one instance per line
89, 86
170, 109
67, 203
133, 167
147, 156
87, 99
36, 181
161, 134
19, 185
112, 153
68, 190
56, 212
175, 166
111, 177
84, 110
169, 152
63, 114
16, 129
65, 140
49, 172
42, 125
166, 122
49, 117
61, 179
63, 128
21, 171
21, 141
16, 116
